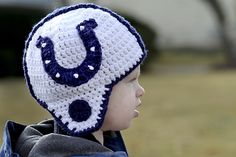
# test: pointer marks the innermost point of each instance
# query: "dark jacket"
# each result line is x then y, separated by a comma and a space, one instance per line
46, 139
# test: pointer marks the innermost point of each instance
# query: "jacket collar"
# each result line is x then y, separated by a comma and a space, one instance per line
112, 139
11, 133
12, 130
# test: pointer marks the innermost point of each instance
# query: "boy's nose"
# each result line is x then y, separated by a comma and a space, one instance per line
140, 91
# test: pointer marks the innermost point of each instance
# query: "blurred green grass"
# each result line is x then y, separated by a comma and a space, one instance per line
187, 115
17, 104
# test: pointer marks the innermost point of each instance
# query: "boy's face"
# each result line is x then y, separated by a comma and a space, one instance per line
124, 100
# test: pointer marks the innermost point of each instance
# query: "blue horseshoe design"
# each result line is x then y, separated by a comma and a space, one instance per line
86, 70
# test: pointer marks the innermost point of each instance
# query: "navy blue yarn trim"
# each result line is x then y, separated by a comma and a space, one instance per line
110, 86
86, 70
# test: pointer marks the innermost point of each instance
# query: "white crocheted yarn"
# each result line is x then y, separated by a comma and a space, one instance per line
121, 52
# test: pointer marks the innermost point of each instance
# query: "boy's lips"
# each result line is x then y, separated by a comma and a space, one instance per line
136, 112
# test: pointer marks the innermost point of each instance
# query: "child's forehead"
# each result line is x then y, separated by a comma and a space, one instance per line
134, 73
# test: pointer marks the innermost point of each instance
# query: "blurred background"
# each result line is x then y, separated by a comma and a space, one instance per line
189, 109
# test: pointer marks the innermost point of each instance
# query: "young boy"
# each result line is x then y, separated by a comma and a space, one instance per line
82, 64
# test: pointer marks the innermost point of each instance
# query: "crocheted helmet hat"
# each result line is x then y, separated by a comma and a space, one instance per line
72, 59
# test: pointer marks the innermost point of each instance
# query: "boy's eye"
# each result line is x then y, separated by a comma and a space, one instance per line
133, 79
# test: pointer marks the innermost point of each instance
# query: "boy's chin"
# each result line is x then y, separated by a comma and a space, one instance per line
124, 126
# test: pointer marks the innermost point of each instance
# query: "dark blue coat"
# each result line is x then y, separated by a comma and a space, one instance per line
46, 140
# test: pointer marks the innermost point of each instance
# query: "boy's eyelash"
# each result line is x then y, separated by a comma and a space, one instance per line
133, 79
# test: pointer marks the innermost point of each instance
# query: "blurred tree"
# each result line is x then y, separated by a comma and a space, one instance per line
64, 2
227, 40
92, 1
16, 23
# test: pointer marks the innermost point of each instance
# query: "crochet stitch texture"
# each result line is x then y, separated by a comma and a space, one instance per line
72, 59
